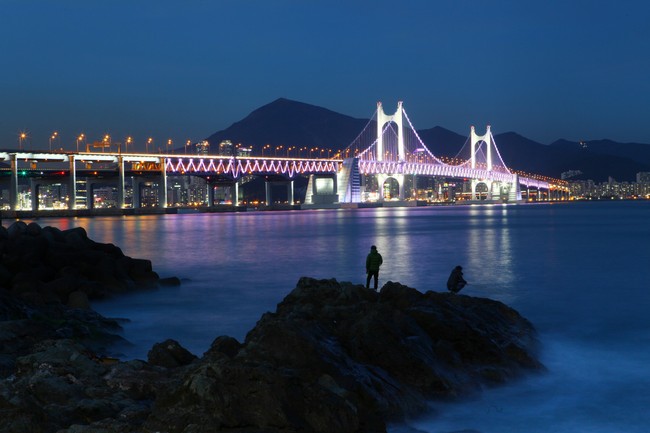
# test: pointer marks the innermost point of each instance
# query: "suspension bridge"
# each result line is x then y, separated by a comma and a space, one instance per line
376, 166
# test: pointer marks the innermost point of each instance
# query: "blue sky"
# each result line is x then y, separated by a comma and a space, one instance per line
185, 69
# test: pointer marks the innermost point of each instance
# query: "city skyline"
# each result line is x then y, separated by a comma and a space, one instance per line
184, 70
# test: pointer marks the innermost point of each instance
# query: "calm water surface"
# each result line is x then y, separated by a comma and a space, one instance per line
578, 271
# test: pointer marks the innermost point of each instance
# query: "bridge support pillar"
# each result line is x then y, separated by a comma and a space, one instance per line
13, 184
135, 191
514, 194
72, 185
120, 183
35, 186
210, 188
234, 193
162, 185
381, 179
90, 203
322, 189
290, 192
268, 191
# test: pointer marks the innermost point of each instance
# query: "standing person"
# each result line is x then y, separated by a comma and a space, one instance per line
456, 280
373, 262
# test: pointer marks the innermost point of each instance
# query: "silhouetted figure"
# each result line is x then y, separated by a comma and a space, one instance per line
456, 280
373, 262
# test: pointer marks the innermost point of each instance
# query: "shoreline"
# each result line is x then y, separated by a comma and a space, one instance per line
84, 213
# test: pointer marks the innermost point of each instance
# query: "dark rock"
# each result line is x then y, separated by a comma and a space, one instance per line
169, 282
224, 345
49, 261
137, 379
79, 300
169, 354
61, 384
338, 357
76, 239
137, 267
5, 276
33, 229
16, 228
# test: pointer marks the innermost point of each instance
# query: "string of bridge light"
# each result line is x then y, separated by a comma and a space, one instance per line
248, 166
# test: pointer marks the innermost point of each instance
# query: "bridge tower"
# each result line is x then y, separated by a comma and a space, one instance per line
497, 189
475, 139
382, 119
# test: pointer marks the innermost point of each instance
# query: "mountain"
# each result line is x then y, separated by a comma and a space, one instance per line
618, 154
552, 160
291, 123
442, 141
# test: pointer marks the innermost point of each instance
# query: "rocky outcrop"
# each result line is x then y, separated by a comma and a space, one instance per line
333, 357
61, 385
52, 375
47, 265
339, 357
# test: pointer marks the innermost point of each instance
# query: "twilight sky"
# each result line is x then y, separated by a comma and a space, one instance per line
183, 69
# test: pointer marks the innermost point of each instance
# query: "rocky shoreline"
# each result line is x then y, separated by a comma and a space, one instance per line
333, 356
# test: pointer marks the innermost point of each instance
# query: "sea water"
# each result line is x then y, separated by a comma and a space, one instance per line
579, 271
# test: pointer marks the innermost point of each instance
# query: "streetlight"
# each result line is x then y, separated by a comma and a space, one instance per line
106, 142
266, 146
80, 138
188, 143
21, 138
52, 138
169, 144
149, 141
129, 140
276, 150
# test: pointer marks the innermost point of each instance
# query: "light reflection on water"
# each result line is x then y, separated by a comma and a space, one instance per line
237, 266
579, 272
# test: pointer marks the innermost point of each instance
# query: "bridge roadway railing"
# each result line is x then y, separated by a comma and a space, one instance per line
31, 164
535, 183
241, 166
235, 166
368, 167
395, 167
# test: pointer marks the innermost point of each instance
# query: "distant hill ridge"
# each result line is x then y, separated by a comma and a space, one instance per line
292, 123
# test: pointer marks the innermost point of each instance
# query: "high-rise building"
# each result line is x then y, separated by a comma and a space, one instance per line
226, 148
203, 147
244, 151
643, 177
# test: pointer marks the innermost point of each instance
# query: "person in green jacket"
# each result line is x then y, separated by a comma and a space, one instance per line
373, 262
